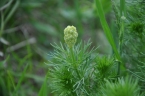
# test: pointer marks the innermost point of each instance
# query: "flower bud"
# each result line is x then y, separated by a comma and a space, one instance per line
70, 36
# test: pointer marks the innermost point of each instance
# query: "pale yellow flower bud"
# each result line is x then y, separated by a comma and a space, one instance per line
70, 36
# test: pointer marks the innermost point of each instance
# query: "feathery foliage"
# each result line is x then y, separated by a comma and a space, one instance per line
121, 87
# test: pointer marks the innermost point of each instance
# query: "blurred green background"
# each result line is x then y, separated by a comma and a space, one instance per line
27, 29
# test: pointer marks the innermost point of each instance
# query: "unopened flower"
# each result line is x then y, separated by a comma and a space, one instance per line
70, 36
123, 17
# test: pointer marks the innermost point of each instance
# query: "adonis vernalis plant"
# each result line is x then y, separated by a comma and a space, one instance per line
77, 70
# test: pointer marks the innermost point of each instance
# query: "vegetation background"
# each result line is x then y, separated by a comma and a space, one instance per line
27, 27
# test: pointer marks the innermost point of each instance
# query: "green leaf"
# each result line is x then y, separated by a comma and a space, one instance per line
12, 11
44, 88
106, 28
20, 81
45, 28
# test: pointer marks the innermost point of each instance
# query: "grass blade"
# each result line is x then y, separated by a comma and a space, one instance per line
20, 81
106, 28
11, 79
12, 11
2, 24
43, 91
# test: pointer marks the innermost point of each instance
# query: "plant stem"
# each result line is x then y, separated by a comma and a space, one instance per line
121, 31
2, 24
73, 62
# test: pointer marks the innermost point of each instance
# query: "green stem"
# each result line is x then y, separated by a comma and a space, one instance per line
74, 63
2, 24
72, 54
121, 32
